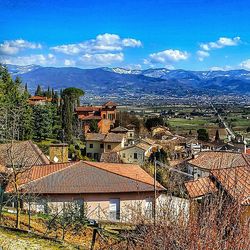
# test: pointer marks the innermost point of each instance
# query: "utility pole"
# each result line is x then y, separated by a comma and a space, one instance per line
154, 208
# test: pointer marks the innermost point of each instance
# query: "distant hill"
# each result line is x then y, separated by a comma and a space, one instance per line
151, 81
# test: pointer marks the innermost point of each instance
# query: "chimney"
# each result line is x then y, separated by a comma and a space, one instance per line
58, 153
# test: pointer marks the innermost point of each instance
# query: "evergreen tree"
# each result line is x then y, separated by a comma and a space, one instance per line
71, 98
39, 91
42, 122
203, 134
217, 135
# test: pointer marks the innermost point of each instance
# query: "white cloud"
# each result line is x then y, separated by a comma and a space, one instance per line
102, 43
202, 54
101, 59
12, 47
165, 56
221, 43
69, 62
31, 59
224, 68
245, 64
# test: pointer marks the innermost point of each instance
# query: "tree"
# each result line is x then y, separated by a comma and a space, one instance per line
39, 90
154, 122
42, 121
71, 98
217, 135
203, 134
93, 127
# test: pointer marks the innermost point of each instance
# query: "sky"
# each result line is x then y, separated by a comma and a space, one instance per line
133, 34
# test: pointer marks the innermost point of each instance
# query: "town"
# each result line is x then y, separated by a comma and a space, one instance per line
95, 176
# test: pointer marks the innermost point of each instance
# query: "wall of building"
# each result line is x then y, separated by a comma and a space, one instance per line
127, 155
58, 153
97, 206
197, 172
96, 149
112, 146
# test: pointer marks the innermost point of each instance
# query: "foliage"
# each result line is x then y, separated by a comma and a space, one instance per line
154, 122
42, 122
71, 98
203, 134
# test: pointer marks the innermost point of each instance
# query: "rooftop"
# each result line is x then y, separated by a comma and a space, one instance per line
86, 177
114, 137
219, 160
94, 137
24, 153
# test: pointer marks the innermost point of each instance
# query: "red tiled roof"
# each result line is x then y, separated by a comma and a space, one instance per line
132, 171
37, 98
248, 151
87, 177
219, 160
36, 172
87, 108
200, 187
236, 181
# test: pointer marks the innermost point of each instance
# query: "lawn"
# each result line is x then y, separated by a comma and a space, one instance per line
17, 240
182, 124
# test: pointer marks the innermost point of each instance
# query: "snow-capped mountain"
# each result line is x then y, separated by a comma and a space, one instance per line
160, 81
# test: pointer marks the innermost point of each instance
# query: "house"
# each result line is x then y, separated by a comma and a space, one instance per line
136, 154
104, 116
21, 153
97, 143
233, 183
129, 132
107, 191
39, 100
202, 163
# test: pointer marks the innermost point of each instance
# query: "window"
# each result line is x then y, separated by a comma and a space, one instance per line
91, 145
104, 116
123, 155
89, 155
109, 146
96, 156
130, 135
135, 156
101, 145
114, 209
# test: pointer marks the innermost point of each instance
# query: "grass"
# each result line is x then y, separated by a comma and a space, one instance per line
20, 240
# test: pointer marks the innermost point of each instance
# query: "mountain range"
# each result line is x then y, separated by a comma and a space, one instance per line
160, 81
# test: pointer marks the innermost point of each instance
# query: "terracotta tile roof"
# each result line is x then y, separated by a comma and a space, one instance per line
132, 171
89, 117
24, 153
87, 108
119, 129
248, 151
114, 137
37, 98
87, 177
200, 187
236, 181
37, 172
94, 137
219, 160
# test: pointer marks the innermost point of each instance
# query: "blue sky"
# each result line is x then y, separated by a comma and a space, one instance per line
188, 34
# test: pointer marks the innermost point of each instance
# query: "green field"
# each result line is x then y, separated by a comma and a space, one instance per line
185, 125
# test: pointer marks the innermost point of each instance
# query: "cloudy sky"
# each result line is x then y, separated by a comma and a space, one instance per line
188, 34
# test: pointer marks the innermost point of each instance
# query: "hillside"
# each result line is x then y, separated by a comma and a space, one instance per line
151, 81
